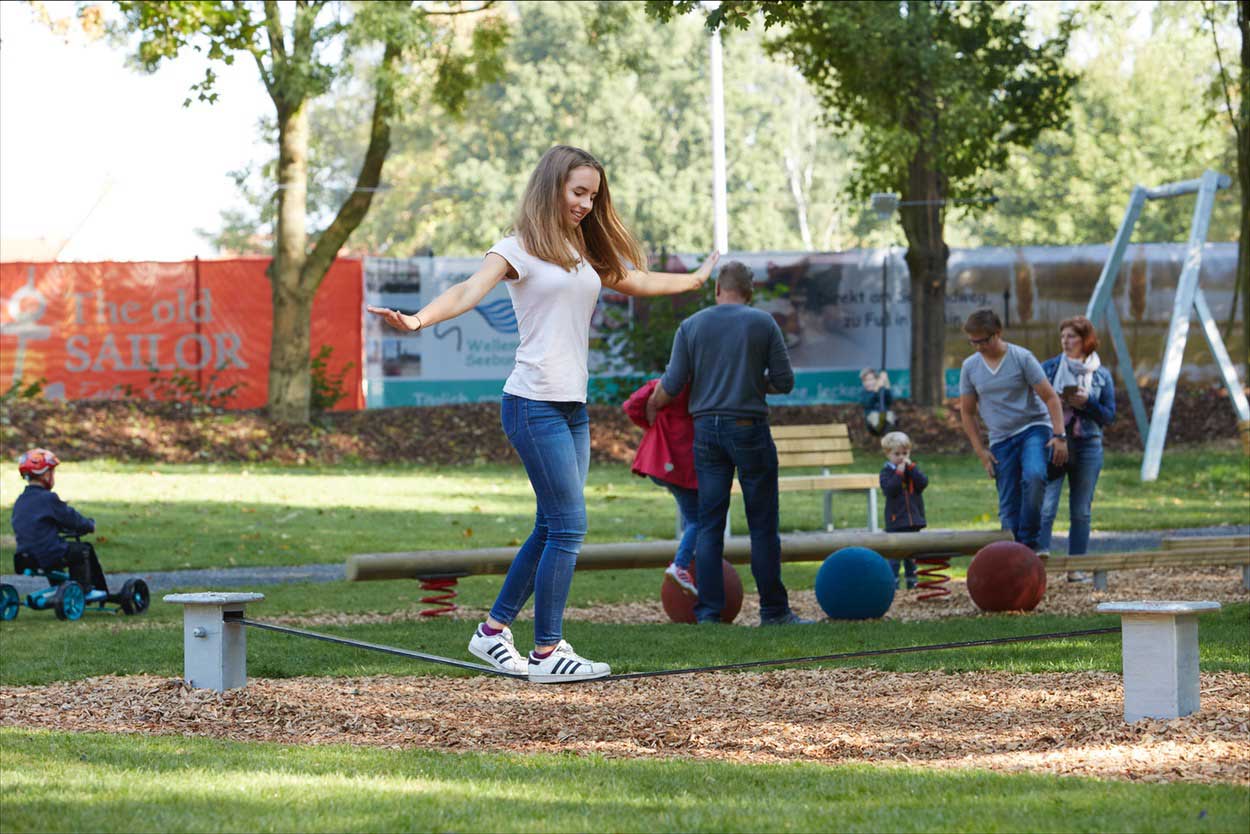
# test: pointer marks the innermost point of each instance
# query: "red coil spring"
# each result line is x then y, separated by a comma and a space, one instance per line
930, 571
442, 601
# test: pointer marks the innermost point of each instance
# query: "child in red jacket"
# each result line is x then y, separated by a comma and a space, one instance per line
666, 456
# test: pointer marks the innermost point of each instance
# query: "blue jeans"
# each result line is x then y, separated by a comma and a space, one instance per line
909, 567
688, 508
721, 444
1084, 465
1020, 475
553, 440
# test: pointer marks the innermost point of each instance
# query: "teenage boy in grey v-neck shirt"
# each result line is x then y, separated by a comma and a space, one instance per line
1006, 385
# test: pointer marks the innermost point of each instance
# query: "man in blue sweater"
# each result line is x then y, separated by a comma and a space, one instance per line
40, 517
732, 355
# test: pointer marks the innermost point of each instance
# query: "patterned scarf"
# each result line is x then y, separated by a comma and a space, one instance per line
1081, 374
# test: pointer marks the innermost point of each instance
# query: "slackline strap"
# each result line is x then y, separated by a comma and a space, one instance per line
751, 664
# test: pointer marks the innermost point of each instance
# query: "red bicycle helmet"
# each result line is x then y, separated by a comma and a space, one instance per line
35, 462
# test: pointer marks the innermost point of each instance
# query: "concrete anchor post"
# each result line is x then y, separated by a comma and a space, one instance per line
214, 648
1160, 650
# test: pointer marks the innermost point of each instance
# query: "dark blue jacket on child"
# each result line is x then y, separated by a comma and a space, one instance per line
880, 400
904, 504
39, 515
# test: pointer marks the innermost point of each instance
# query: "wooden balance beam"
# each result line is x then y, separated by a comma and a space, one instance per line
1206, 542
1102, 563
799, 547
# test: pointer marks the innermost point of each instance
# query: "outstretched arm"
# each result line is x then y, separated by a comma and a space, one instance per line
453, 301
640, 283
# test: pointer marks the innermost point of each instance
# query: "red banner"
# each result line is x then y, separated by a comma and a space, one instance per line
165, 330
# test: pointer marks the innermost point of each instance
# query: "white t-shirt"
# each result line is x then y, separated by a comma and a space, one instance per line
553, 310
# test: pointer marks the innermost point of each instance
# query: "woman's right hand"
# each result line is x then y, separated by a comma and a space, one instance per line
988, 461
396, 319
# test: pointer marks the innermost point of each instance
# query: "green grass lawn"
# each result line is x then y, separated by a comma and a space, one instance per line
131, 784
164, 517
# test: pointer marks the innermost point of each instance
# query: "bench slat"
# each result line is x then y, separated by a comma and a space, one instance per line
848, 481
824, 444
818, 430
791, 459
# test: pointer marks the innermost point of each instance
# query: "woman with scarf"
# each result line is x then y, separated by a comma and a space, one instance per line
1087, 392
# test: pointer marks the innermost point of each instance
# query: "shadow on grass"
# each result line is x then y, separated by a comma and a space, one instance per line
128, 783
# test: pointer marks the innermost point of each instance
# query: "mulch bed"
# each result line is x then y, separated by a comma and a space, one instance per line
1068, 723
171, 432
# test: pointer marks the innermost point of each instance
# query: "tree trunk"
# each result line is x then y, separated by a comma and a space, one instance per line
927, 254
296, 273
1243, 179
289, 382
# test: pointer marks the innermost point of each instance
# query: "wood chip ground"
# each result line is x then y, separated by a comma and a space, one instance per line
1069, 723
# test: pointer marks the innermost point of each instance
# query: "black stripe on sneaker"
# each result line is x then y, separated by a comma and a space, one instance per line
498, 652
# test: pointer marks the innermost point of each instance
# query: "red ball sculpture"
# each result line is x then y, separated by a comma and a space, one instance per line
1006, 576
679, 605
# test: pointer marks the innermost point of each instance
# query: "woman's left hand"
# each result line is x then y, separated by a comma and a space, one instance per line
1077, 399
704, 272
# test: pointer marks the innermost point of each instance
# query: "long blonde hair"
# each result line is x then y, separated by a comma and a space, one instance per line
601, 237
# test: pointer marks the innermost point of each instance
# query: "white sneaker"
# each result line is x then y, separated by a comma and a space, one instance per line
564, 665
499, 651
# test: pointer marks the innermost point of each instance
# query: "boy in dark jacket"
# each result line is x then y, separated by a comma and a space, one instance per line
903, 484
39, 519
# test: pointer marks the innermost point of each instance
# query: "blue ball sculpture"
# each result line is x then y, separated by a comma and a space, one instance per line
855, 583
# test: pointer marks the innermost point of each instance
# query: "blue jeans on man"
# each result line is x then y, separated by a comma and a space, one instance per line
1084, 466
553, 441
1020, 475
721, 445
688, 511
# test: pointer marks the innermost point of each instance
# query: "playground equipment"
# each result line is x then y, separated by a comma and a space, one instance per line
1006, 576
438, 570
855, 584
1187, 552
1188, 299
679, 605
1160, 650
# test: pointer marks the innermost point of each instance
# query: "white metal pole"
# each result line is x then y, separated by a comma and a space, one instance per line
720, 206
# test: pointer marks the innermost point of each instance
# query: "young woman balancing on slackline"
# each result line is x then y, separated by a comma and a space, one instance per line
568, 243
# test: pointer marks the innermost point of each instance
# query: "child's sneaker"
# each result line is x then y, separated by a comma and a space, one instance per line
683, 578
498, 650
564, 665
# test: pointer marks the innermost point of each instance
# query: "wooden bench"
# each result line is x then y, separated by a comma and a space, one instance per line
1225, 552
823, 445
